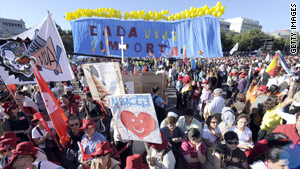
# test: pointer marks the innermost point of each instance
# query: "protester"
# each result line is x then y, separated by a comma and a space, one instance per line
16, 121
211, 133
160, 155
187, 121
89, 141
270, 119
229, 155
102, 157
25, 156
170, 114
228, 116
135, 162
75, 136
159, 104
27, 102
241, 105
291, 130
218, 103
44, 141
193, 150
71, 107
6, 148
94, 112
174, 135
243, 132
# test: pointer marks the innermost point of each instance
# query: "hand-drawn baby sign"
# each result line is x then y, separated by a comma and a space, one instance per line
135, 117
141, 125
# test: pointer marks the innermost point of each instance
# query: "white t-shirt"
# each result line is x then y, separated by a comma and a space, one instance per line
244, 136
208, 135
36, 134
47, 165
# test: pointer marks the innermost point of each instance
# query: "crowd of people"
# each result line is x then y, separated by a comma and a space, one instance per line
231, 114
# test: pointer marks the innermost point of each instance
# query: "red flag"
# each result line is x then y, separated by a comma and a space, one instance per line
39, 116
55, 112
272, 68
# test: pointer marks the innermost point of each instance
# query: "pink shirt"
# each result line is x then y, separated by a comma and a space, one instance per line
188, 149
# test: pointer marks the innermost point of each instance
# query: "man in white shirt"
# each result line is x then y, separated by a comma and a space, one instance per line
218, 103
187, 121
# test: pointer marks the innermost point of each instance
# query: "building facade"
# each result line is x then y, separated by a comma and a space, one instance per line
285, 34
241, 24
11, 27
224, 25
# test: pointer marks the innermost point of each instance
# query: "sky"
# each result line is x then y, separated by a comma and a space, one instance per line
272, 14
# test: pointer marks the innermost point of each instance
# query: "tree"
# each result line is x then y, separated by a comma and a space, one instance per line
67, 39
250, 40
226, 40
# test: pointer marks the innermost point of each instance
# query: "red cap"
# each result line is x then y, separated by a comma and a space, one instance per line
9, 134
235, 73
244, 73
86, 89
8, 106
263, 88
87, 124
241, 76
8, 143
102, 148
162, 146
135, 162
205, 82
24, 148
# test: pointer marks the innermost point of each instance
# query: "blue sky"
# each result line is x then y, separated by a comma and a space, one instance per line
272, 14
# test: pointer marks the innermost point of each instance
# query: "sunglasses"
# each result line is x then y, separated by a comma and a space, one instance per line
100, 155
72, 125
7, 150
233, 142
214, 122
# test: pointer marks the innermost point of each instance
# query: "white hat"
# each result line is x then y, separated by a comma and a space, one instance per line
218, 91
172, 114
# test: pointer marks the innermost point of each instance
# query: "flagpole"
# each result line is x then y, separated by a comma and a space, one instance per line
11, 93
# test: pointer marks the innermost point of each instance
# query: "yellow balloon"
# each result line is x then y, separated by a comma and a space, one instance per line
167, 12
201, 13
192, 8
163, 11
150, 12
219, 4
213, 13
193, 15
219, 14
205, 8
187, 15
222, 8
207, 12
218, 9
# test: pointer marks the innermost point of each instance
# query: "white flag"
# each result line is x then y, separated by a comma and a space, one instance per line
44, 47
268, 57
235, 48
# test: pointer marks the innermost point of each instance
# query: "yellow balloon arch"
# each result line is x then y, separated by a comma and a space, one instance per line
193, 12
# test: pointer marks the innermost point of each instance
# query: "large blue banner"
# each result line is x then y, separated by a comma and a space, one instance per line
145, 38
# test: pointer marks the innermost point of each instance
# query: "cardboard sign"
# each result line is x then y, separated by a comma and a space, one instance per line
103, 79
135, 117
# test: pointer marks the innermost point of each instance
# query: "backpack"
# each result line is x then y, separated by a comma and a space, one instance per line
160, 112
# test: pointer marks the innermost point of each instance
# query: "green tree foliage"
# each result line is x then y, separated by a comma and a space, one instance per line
252, 39
227, 40
67, 39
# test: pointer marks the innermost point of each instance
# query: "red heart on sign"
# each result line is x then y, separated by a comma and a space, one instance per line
142, 125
